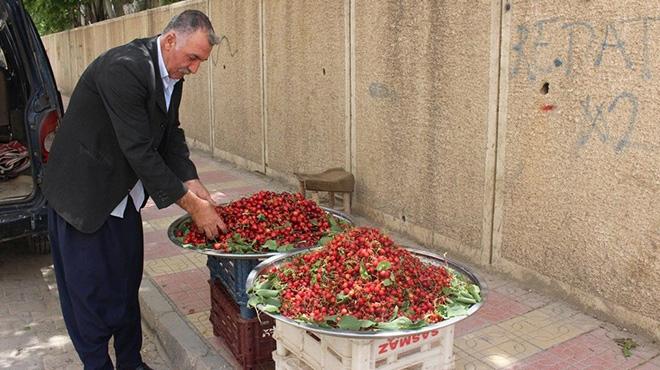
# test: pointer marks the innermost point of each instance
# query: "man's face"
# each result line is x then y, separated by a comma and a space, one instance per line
183, 54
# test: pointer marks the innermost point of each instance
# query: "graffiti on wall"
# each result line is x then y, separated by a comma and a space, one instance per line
558, 45
224, 41
603, 44
598, 125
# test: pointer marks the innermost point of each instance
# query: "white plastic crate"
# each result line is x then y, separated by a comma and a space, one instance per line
299, 349
289, 362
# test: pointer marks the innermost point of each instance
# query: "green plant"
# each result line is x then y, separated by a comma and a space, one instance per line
627, 345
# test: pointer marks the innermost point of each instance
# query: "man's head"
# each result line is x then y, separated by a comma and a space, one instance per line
186, 42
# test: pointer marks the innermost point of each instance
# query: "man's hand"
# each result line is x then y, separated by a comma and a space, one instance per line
199, 189
208, 220
203, 214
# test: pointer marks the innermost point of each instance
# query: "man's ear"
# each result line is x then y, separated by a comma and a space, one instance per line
170, 40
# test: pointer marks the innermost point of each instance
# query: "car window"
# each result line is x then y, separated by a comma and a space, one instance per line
3, 24
3, 61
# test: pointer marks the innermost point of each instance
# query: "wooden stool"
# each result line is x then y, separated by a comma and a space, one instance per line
334, 180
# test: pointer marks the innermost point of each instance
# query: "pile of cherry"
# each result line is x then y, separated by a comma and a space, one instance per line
362, 280
265, 222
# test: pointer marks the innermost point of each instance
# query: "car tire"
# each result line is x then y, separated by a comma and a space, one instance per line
39, 244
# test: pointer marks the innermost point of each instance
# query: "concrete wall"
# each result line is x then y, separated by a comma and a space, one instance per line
421, 118
237, 99
305, 85
519, 135
580, 150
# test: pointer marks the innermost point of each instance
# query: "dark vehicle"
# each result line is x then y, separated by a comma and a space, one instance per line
30, 110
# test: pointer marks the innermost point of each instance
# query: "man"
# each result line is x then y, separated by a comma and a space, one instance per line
119, 137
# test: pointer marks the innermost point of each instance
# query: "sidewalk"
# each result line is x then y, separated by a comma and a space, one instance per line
32, 331
517, 328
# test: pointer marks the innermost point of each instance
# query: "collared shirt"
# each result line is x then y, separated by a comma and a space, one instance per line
168, 83
137, 192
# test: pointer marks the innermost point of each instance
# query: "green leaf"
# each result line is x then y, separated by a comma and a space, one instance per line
267, 283
304, 318
254, 301
364, 324
364, 274
466, 300
401, 322
273, 302
460, 296
383, 265
456, 309
349, 323
261, 217
352, 323
324, 240
267, 293
395, 313
270, 308
341, 297
387, 282
442, 311
270, 244
285, 248
335, 227
331, 319
237, 244
474, 292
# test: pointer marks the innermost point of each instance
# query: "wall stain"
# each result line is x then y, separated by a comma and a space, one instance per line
547, 107
379, 90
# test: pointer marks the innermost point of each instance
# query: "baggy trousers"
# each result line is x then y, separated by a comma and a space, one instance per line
98, 276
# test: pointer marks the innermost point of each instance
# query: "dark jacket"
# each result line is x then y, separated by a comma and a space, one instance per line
117, 129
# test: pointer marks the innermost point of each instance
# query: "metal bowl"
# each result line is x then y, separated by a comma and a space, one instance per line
212, 252
424, 256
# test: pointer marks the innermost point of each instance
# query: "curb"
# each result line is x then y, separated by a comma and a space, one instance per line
182, 345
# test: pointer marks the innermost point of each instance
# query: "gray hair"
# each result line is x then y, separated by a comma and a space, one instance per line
191, 21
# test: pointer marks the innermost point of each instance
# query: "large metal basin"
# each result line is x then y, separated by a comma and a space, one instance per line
425, 256
212, 252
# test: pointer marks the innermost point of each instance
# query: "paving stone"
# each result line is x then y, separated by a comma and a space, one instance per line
463, 361
594, 349
167, 265
482, 339
155, 250
652, 364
